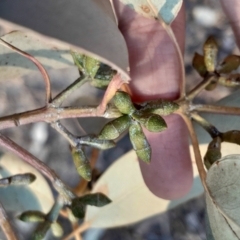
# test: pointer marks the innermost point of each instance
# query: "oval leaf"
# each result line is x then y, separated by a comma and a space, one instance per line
166, 10
224, 186
131, 199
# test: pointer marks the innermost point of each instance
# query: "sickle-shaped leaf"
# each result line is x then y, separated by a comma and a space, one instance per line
224, 186
166, 10
87, 26
131, 199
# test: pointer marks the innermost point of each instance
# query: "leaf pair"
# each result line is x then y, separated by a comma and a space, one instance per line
133, 119
99, 73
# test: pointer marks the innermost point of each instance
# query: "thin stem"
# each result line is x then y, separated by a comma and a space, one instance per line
58, 100
55, 210
212, 130
198, 157
37, 63
58, 184
5, 224
54, 114
65, 133
217, 109
195, 91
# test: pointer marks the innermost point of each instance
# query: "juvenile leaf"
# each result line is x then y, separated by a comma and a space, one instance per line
132, 201
160, 107
166, 10
32, 216
224, 186
123, 102
152, 122
139, 142
199, 64
229, 64
91, 65
81, 163
210, 50
233, 80
115, 128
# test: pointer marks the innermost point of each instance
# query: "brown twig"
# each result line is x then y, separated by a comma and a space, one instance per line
195, 91
5, 224
66, 193
216, 109
198, 157
37, 63
53, 114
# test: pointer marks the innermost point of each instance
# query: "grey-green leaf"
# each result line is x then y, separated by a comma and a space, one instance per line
217, 226
224, 186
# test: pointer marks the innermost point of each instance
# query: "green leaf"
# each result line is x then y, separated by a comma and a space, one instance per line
132, 201
166, 10
223, 183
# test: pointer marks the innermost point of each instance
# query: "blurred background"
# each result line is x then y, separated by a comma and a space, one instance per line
186, 222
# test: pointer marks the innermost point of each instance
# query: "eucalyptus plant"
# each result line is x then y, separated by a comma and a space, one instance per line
219, 175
